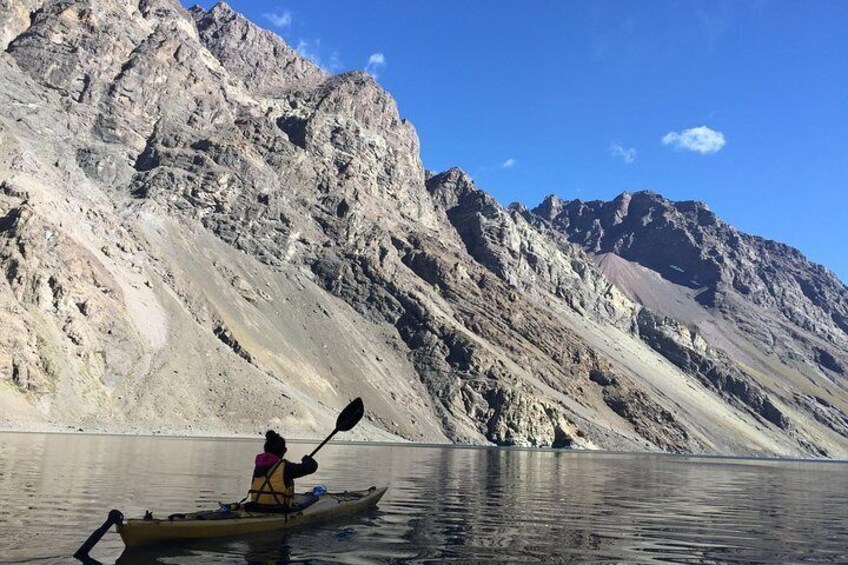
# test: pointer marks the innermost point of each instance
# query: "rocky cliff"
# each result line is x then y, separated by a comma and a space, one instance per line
203, 232
774, 314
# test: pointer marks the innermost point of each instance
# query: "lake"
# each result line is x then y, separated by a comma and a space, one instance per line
445, 504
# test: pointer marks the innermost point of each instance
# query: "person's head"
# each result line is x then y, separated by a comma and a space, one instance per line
274, 443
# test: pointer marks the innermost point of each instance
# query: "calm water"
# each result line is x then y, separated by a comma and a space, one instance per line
444, 505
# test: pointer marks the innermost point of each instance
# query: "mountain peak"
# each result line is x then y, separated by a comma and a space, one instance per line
451, 186
686, 243
549, 208
455, 177
262, 59
222, 7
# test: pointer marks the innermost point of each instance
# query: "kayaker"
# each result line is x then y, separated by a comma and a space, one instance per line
272, 488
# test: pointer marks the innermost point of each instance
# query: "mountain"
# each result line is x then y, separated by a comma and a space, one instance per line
203, 232
781, 317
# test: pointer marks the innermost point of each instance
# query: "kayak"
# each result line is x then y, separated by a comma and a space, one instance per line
224, 523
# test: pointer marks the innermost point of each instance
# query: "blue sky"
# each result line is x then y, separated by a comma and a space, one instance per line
743, 105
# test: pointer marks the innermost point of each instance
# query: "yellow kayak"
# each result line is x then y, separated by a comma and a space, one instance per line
215, 524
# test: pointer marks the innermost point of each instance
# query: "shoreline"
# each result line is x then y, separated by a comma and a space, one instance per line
380, 443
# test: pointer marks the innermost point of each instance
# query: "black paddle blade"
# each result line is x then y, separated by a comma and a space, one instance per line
350, 416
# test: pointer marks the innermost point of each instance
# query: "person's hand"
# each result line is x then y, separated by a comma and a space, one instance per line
310, 463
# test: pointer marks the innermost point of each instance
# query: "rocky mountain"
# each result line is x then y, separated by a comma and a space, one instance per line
778, 315
203, 232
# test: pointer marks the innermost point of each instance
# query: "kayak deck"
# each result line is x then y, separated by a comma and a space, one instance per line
213, 524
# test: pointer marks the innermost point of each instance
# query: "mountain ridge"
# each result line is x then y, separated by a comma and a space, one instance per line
202, 232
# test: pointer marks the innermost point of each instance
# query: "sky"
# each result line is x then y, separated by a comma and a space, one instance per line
740, 104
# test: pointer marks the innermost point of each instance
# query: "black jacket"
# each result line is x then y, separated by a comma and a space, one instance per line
292, 471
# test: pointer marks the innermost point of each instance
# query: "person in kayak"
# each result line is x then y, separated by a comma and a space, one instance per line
272, 488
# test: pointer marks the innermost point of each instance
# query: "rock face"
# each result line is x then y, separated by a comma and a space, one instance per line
776, 314
203, 232
751, 281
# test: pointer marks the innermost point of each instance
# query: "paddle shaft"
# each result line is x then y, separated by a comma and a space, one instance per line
348, 418
323, 443
115, 517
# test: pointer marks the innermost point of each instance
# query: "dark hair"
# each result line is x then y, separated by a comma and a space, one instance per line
274, 443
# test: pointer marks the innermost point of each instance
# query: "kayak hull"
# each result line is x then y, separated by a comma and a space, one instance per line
329, 506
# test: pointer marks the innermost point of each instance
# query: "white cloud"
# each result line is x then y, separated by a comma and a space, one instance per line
509, 163
312, 50
306, 49
281, 20
375, 62
701, 139
626, 154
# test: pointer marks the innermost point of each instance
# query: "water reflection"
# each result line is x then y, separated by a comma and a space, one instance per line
444, 505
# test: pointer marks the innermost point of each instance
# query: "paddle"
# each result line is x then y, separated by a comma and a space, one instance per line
349, 417
115, 517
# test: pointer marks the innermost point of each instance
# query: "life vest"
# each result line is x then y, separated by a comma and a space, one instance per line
270, 489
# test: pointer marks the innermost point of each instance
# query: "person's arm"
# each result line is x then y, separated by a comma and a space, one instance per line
307, 466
